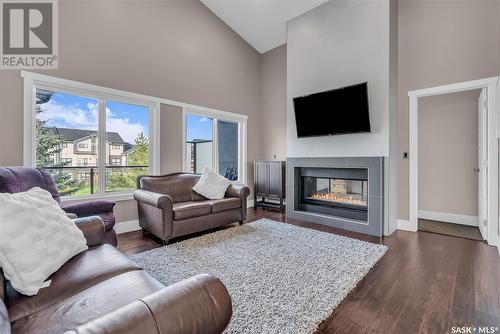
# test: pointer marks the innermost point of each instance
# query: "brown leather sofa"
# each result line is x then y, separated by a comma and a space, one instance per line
169, 208
102, 291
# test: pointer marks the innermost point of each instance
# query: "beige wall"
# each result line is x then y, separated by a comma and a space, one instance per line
448, 153
273, 104
441, 42
171, 139
177, 50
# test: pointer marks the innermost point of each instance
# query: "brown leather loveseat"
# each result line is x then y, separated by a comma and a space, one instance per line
102, 291
169, 208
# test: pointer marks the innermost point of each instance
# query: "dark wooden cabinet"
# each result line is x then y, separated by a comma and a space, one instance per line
269, 184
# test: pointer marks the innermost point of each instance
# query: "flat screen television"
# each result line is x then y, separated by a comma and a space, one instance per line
333, 112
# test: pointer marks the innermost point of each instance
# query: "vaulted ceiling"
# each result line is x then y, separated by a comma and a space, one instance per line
262, 23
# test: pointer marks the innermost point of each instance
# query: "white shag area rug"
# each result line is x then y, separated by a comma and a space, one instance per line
281, 278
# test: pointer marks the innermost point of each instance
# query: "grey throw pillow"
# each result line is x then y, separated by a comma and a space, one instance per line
4, 319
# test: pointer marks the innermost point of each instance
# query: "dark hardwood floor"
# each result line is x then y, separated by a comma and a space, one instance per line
425, 283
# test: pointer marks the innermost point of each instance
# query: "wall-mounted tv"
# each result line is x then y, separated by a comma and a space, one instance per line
333, 112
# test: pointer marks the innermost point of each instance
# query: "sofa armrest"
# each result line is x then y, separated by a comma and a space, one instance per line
241, 192
200, 304
160, 201
85, 209
238, 191
92, 228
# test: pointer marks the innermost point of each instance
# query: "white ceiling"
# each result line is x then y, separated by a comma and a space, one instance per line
262, 23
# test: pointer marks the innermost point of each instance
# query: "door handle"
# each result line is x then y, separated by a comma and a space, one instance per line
477, 170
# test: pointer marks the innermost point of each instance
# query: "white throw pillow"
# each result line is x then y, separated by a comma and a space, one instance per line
36, 238
211, 185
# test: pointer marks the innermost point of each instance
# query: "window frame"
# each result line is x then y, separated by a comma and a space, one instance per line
34, 81
216, 116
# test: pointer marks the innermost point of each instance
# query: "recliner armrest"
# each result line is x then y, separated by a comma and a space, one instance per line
92, 228
200, 304
157, 200
84, 209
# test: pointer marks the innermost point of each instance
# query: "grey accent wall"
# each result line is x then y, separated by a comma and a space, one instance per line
448, 153
338, 44
441, 42
177, 50
273, 104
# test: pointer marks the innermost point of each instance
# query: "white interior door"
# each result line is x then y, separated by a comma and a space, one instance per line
483, 163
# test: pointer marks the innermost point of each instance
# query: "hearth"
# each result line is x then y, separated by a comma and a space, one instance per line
341, 192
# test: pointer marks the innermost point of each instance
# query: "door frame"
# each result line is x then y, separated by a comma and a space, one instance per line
492, 86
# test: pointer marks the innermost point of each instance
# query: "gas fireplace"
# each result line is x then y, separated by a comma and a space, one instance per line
341, 192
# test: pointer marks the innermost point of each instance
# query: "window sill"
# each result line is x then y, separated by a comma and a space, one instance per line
116, 197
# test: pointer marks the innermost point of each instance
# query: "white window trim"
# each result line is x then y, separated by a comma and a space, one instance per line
32, 81
218, 115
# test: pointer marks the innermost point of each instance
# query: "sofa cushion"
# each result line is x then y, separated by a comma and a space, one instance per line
178, 186
198, 224
225, 204
89, 304
186, 210
82, 271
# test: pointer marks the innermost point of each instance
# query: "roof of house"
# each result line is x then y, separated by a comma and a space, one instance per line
76, 134
127, 148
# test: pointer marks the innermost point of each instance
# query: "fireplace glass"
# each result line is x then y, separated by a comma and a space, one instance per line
341, 197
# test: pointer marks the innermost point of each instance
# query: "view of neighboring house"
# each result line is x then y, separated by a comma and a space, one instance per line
80, 148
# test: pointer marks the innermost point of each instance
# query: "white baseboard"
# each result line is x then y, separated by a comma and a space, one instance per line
405, 225
250, 203
128, 226
449, 217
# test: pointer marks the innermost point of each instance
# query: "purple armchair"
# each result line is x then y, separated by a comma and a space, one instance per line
18, 179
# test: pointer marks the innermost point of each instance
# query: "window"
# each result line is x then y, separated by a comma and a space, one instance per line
111, 130
59, 117
215, 140
228, 150
199, 143
135, 135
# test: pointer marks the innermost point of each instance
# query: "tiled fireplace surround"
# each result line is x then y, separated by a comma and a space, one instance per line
341, 215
